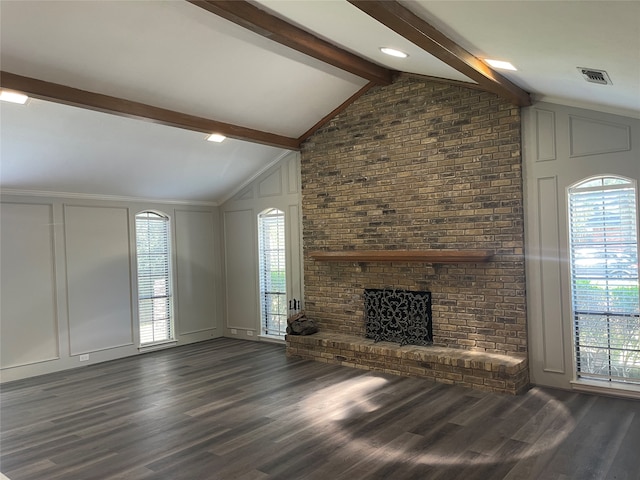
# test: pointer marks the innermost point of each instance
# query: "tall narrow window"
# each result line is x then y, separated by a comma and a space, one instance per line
604, 279
273, 282
154, 278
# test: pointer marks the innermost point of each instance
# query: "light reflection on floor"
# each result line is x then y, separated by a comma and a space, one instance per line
346, 399
352, 402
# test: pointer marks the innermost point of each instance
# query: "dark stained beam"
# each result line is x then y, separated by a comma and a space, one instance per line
276, 29
126, 108
413, 28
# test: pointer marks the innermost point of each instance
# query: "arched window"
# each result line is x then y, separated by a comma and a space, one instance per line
155, 303
272, 271
604, 278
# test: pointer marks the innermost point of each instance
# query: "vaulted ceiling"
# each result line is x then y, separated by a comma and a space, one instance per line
124, 92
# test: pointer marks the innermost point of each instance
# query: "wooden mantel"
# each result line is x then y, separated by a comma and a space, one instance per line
425, 256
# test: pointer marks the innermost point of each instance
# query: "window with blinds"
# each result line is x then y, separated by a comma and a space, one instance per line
154, 278
604, 279
272, 271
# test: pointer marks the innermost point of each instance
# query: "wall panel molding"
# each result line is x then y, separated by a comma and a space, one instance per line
99, 290
293, 177
246, 194
550, 275
241, 274
28, 299
276, 187
271, 186
588, 136
545, 135
587, 143
195, 272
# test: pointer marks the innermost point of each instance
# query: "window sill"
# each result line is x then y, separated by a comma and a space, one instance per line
607, 388
150, 347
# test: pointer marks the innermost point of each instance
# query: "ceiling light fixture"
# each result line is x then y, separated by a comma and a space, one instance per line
13, 97
393, 52
500, 64
216, 137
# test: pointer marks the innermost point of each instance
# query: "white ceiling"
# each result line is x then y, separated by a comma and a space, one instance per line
56, 148
178, 56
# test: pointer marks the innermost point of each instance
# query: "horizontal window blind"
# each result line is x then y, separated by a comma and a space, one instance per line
604, 279
273, 285
154, 285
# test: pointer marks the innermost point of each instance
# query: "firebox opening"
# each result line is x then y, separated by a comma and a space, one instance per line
401, 316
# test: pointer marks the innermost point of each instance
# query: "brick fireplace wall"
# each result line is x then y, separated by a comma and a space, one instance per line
420, 165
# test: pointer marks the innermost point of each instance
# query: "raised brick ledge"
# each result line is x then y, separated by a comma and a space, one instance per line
479, 370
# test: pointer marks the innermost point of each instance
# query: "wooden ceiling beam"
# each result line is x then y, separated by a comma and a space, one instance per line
126, 108
259, 21
404, 22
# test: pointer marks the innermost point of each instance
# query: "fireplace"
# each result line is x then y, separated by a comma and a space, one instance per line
419, 166
401, 316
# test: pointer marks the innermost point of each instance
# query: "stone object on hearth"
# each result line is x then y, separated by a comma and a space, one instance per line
299, 324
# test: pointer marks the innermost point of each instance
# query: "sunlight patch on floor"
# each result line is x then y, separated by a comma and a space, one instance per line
556, 416
351, 399
346, 399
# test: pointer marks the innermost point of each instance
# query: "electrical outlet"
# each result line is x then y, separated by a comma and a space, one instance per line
250, 333
234, 331
84, 358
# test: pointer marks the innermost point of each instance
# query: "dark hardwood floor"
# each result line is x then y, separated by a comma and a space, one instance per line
231, 409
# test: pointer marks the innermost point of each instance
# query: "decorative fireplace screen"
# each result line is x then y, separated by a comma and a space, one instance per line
398, 316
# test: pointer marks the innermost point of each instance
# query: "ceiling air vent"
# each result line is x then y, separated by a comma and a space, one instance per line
595, 76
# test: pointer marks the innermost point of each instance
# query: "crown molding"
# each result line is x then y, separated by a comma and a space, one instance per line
110, 198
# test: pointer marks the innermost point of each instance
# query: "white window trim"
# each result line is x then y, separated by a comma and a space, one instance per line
587, 385
172, 341
626, 390
281, 213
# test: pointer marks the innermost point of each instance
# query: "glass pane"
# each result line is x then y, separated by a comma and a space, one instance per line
275, 314
605, 286
154, 294
273, 284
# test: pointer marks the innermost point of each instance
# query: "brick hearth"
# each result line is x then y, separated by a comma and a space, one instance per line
479, 370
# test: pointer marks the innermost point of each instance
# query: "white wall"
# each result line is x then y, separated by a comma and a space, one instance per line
278, 187
562, 145
68, 284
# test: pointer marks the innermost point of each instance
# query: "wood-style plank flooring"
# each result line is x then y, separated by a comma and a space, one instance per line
232, 409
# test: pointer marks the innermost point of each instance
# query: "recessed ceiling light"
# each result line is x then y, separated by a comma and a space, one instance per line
500, 64
216, 137
13, 97
393, 52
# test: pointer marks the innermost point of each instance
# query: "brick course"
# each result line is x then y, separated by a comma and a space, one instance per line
420, 165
